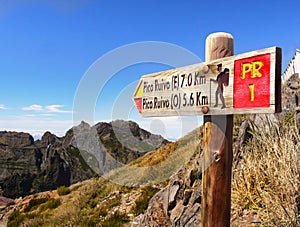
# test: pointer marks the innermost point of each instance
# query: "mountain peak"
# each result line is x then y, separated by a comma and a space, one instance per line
84, 124
16, 139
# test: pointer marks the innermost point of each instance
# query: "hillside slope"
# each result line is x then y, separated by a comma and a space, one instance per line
28, 166
258, 190
101, 201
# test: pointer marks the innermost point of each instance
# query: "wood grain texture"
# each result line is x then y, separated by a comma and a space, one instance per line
217, 152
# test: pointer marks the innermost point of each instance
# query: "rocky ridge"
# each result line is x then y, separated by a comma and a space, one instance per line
28, 166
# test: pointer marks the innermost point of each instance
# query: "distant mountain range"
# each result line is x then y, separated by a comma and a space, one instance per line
28, 166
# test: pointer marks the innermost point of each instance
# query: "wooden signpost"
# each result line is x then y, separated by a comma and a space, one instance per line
224, 85
247, 83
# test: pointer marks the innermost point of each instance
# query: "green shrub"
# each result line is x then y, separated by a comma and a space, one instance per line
116, 220
15, 219
63, 190
50, 204
96, 175
142, 202
289, 118
35, 202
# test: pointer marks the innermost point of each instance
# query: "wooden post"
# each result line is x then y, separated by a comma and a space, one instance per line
217, 151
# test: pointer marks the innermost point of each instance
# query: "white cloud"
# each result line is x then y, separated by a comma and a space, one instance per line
48, 109
33, 107
2, 107
56, 109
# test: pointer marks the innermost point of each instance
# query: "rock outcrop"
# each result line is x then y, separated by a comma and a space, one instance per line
179, 203
291, 95
28, 166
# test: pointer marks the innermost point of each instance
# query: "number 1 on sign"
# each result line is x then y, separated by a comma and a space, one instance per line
251, 87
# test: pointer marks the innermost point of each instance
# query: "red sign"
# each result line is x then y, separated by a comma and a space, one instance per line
252, 82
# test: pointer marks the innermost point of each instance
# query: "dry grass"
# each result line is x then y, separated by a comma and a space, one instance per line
156, 167
82, 207
266, 183
153, 158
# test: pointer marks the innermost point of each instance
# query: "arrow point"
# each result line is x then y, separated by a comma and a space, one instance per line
138, 103
139, 90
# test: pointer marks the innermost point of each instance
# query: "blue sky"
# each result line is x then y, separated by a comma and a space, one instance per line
47, 47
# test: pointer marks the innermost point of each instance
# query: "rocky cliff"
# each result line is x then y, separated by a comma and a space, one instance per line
28, 166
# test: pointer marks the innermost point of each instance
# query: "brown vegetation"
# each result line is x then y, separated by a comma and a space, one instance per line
265, 185
266, 182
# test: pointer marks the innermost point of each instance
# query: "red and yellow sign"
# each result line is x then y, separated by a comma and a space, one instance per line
252, 82
138, 97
